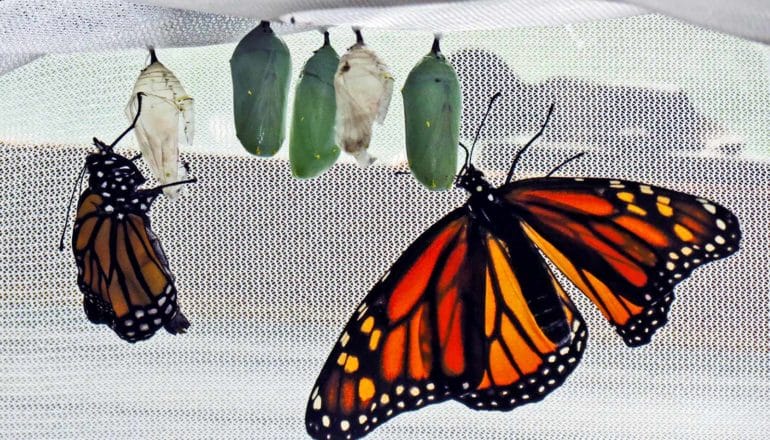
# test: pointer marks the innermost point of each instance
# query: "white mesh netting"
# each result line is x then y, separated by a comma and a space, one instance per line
270, 268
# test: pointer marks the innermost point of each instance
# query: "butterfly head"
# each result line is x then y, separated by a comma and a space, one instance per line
472, 180
111, 173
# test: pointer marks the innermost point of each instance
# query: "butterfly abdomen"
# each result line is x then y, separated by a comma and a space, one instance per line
505, 234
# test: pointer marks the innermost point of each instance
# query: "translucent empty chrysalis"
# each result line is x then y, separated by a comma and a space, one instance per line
363, 86
157, 130
312, 147
260, 67
432, 120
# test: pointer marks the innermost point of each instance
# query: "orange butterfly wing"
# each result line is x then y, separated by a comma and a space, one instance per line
533, 335
123, 272
623, 244
455, 317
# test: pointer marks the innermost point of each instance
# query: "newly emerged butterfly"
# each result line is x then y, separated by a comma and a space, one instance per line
472, 312
122, 271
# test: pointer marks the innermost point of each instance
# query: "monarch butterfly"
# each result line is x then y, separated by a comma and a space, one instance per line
122, 270
471, 312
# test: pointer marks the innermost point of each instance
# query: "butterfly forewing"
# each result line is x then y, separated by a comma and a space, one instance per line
122, 271
624, 244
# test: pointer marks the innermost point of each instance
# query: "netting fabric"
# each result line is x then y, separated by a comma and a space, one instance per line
269, 268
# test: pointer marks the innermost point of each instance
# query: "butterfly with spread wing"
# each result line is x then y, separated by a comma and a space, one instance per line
122, 270
472, 312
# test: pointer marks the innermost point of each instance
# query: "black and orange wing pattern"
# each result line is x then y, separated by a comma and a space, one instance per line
462, 314
623, 244
122, 270
533, 335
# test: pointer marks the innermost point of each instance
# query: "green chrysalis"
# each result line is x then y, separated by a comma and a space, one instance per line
432, 117
312, 148
260, 67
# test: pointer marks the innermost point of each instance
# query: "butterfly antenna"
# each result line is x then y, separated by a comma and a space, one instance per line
465, 163
483, 121
524, 148
133, 123
69, 206
577, 156
467, 154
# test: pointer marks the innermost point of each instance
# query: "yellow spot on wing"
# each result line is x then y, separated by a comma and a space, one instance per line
636, 209
663, 199
367, 325
665, 210
366, 389
341, 360
626, 196
351, 365
374, 340
683, 233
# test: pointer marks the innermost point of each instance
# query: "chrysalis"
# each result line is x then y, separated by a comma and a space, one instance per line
432, 116
363, 87
312, 147
157, 130
260, 67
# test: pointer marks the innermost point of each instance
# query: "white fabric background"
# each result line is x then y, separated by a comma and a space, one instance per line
269, 268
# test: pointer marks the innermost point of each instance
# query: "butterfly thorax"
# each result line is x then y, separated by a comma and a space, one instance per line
483, 199
115, 180
112, 175
472, 180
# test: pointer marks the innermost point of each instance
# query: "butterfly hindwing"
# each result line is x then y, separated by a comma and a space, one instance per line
533, 335
624, 244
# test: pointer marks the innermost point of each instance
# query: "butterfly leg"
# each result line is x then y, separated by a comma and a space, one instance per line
154, 192
133, 123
